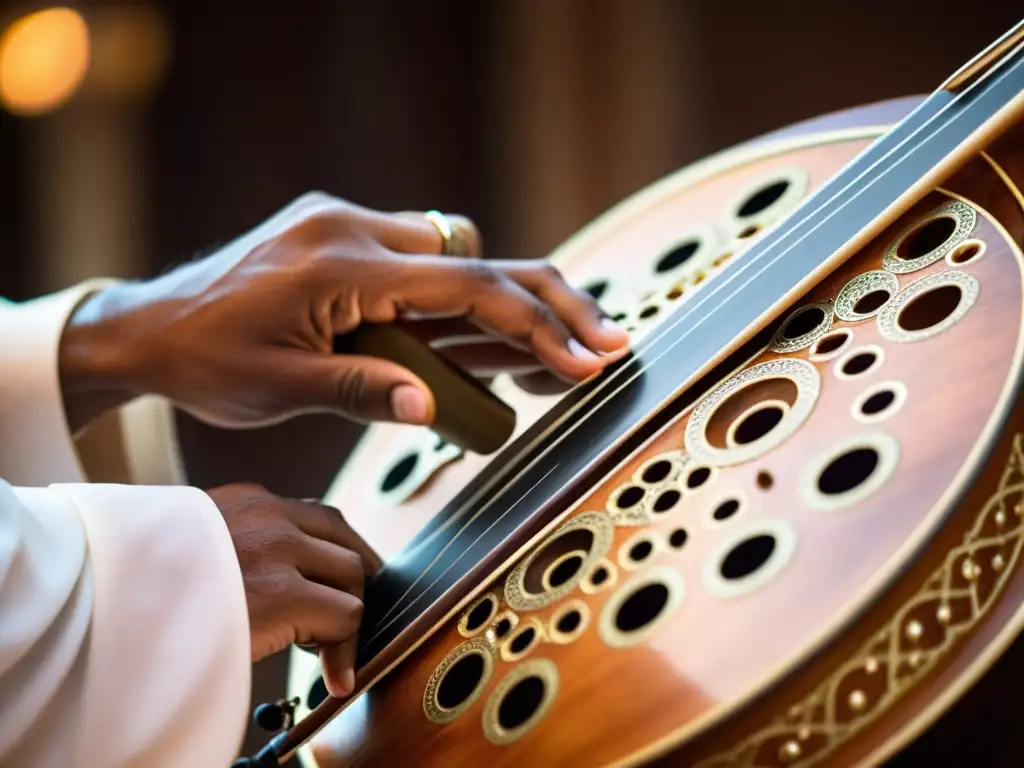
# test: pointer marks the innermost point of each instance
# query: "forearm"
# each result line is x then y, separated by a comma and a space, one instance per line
96, 358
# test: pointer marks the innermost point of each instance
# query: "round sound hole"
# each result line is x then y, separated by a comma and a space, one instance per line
520, 643
677, 257
751, 413
569, 622
763, 199
563, 569
677, 539
458, 680
559, 561
698, 477
399, 473
871, 302
758, 422
965, 253
850, 471
930, 309
597, 289
461, 681
927, 238
726, 510
657, 472
880, 402
503, 626
477, 617
630, 497
520, 701
859, 362
803, 322
754, 553
929, 306
748, 557
636, 551
666, 501
640, 606
831, 344
559, 564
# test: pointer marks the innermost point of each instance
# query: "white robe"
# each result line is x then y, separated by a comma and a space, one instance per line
124, 636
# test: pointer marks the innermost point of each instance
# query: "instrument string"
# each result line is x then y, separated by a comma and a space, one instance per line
765, 259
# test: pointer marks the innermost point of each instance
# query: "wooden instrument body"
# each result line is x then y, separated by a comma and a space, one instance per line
876, 609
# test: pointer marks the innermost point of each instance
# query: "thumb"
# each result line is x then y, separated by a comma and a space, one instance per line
364, 388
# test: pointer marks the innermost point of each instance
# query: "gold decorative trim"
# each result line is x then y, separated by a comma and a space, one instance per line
950, 603
556, 635
626, 562
970, 243
547, 671
888, 318
539, 636
589, 587
819, 357
802, 373
431, 707
601, 528
677, 460
784, 345
965, 217
464, 629
861, 286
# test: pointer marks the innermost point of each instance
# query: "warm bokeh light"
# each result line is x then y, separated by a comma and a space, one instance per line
130, 51
44, 57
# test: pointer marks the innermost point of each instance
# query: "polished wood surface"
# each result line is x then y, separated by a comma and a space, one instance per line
678, 669
686, 674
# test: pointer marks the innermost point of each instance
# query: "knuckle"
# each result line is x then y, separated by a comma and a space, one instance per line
351, 389
355, 612
549, 273
483, 274
545, 317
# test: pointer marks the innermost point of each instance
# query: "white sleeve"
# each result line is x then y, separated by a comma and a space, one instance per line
124, 636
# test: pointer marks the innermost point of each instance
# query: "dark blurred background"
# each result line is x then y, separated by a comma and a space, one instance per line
134, 135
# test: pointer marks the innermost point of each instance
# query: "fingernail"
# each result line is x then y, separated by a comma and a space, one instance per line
610, 325
409, 404
580, 352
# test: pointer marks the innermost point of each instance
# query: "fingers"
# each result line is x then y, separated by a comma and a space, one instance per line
490, 359
510, 310
360, 387
325, 616
338, 663
576, 308
332, 565
329, 525
411, 232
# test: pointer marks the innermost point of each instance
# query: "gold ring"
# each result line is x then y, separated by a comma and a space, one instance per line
444, 227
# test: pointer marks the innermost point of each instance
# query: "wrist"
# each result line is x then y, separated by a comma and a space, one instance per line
98, 357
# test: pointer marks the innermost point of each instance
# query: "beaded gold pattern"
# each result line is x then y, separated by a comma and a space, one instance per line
907, 648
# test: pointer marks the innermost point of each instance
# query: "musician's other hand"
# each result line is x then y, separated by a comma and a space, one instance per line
244, 337
304, 570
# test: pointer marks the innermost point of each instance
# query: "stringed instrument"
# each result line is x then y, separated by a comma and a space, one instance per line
786, 531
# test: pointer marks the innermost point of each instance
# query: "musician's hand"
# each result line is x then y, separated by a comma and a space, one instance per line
304, 570
244, 337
